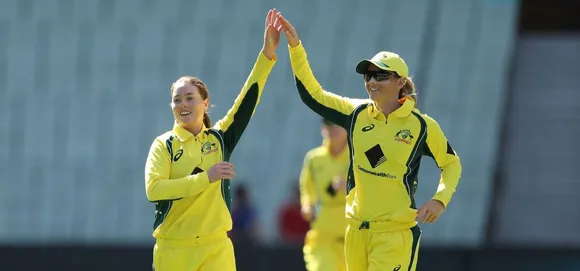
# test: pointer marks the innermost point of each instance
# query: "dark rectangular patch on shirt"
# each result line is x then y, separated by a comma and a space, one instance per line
375, 156
196, 170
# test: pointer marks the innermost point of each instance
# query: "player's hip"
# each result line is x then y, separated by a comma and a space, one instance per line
190, 229
192, 242
380, 226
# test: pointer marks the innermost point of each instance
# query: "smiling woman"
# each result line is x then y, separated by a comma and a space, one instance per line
189, 103
387, 135
187, 175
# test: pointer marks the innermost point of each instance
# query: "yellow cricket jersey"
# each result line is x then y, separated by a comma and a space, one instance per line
385, 151
187, 205
318, 172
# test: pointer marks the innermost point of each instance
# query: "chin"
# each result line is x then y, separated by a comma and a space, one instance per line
374, 96
185, 121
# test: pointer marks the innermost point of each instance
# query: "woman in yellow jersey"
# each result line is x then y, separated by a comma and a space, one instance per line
322, 196
387, 135
187, 174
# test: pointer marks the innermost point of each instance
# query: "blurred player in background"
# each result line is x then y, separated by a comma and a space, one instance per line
322, 197
187, 174
387, 135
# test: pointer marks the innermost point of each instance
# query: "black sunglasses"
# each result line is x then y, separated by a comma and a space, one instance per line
379, 75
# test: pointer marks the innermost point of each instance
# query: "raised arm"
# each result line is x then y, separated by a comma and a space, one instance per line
159, 186
237, 118
326, 104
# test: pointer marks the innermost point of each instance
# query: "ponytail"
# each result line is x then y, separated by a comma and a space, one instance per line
206, 120
408, 91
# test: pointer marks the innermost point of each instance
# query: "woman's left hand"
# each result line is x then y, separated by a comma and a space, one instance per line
430, 211
272, 31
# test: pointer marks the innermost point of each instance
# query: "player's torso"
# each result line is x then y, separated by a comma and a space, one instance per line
206, 212
330, 217
382, 153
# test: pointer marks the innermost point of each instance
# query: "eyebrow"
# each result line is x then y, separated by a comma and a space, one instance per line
186, 94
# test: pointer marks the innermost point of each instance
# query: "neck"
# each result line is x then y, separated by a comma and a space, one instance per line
335, 147
389, 106
195, 130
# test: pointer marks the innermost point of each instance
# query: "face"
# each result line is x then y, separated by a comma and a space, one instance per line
187, 104
333, 132
382, 85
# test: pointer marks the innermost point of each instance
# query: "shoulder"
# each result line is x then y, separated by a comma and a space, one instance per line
162, 145
360, 102
315, 153
433, 127
165, 136
163, 140
429, 121
214, 131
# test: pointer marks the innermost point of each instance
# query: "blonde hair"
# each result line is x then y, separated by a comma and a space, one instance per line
408, 91
203, 92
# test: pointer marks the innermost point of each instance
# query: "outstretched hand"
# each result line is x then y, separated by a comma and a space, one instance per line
271, 34
289, 31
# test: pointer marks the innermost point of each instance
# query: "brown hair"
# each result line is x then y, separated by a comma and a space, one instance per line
408, 90
202, 92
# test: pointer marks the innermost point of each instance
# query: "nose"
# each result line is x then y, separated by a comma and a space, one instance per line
372, 82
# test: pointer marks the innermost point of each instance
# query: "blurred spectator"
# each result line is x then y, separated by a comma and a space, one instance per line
292, 227
244, 217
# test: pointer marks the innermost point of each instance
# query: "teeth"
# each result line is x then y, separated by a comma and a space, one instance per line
185, 113
374, 89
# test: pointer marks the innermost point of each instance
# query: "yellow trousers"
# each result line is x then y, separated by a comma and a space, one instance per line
324, 253
372, 249
214, 252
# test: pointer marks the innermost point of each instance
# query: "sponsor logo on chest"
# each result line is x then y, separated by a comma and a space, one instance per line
208, 148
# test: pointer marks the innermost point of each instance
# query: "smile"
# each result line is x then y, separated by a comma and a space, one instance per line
185, 113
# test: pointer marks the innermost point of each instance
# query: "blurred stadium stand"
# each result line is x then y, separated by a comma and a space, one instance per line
541, 146
84, 89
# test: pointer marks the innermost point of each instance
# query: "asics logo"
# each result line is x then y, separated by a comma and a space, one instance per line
368, 127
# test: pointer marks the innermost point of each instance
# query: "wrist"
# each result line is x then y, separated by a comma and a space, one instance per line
295, 44
269, 54
440, 202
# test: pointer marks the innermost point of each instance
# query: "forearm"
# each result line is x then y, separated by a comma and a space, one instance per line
171, 189
259, 73
238, 117
302, 70
450, 176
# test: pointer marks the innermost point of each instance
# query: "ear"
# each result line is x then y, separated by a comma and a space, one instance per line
205, 104
323, 131
401, 82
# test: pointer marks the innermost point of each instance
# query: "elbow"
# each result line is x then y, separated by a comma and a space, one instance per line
451, 170
151, 195
151, 191
453, 165
457, 164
